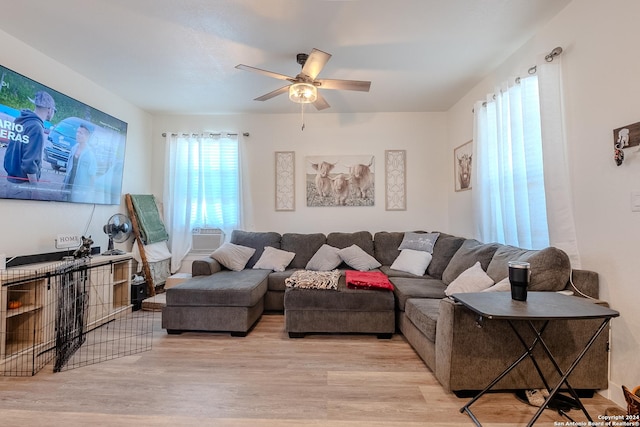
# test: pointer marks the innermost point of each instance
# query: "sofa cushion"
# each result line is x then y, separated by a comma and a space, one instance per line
224, 289
256, 240
363, 239
386, 269
277, 278
344, 240
325, 259
469, 253
412, 261
425, 287
498, 268
550, 267
232, 256
385, 246
356, 258
444, 249
303, 245
474, 279
419, 241
274, 259
423, 313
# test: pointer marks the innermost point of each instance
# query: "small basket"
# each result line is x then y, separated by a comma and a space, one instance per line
633, 400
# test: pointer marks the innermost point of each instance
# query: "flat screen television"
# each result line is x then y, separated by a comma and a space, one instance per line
55, 148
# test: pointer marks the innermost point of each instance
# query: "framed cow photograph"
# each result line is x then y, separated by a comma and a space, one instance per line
462, 164
340, 180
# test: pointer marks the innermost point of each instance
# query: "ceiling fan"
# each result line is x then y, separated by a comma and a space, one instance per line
304, 87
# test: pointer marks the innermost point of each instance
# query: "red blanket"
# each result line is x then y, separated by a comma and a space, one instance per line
368, 280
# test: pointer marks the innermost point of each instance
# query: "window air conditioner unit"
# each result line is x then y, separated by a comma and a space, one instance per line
206, 239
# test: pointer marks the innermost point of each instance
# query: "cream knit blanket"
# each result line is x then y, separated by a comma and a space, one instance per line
307, 279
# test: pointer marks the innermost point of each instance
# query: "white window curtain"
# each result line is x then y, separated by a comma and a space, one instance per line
202, 188
521, 188
557, 179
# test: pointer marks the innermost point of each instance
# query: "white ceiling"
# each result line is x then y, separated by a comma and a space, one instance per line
178, 56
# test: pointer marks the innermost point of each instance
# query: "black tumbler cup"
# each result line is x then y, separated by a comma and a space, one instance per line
519, 275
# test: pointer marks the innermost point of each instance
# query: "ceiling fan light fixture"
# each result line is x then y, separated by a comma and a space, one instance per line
303, 93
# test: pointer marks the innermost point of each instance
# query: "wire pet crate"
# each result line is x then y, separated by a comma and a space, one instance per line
71, 313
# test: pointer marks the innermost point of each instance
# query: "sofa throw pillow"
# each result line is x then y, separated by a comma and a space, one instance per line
419, 241
502, 286
325, 259
304, 246
470, 252
358, 259
412, 261
256, 240
274, 259
474, 279
232, 256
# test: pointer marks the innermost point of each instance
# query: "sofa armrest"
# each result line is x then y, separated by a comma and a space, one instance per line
470, 355
584, 282
205, 267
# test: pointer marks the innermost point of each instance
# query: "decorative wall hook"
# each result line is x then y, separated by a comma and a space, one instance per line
625, 137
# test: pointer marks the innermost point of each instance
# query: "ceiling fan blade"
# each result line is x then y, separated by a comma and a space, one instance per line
315, 63
273, 94
265, 72
359, 85
320, 103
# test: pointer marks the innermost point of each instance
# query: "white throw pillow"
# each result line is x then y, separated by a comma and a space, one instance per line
325, 259
474, 279
358, 259
412, 261
274, 259
232, 256
502, 286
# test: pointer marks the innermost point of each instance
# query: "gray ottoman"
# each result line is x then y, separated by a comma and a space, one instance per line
228, 301
339, 311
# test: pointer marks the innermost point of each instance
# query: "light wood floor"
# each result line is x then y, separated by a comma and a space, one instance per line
264, 379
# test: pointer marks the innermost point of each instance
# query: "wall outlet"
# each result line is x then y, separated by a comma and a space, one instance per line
65, 241
635, 201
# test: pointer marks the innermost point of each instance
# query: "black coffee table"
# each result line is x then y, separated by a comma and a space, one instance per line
540, 306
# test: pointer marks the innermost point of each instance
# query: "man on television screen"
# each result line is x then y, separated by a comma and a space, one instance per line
23, 158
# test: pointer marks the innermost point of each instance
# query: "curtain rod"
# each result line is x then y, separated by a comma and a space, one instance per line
532, 70
548, 57
207, 134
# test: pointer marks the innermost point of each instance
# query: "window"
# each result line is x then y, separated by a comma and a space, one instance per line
202, 188
210, 168
510, 182
522, 189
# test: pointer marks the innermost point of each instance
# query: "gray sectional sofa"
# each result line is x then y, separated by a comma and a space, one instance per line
443, 333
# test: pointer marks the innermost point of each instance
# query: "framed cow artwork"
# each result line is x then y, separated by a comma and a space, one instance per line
340, 180
462, 164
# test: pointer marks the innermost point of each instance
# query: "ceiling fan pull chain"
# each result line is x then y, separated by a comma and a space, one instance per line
302, 114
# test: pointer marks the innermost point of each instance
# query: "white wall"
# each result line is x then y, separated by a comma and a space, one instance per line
30, 227
600, 66
423, 135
